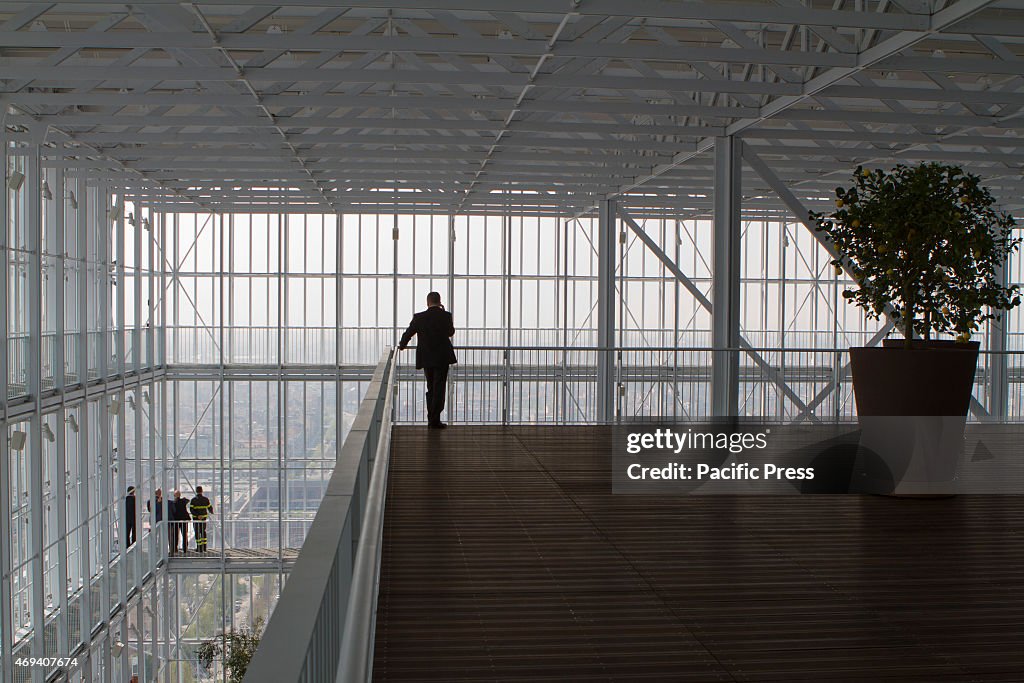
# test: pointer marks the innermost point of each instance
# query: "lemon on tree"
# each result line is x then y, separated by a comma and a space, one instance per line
924, 244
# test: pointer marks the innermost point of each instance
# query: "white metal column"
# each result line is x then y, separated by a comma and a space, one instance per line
606, 240
6, 626
725, 279
86, 617
37, 552
998, 368
57, 249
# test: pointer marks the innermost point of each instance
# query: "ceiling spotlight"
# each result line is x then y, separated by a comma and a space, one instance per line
72, 200
17, 440
37, 26
116, 211
15, 181
985, 82
892, 76
115, 406
275, 29
938, 54
504, 34
47, 193
72, 423
48, 433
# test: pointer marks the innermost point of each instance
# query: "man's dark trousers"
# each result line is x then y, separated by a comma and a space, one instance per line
437, 386
200, 532
181, 527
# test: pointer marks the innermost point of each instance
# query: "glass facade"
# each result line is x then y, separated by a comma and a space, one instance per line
171, 350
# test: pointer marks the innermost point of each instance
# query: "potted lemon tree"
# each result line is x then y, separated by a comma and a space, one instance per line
925, 246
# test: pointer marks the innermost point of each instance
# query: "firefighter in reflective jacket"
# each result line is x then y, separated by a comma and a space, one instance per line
200, 507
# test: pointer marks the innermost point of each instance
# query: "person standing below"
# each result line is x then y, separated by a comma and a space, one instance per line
200, 507
179, 525
157, 508
433, 329
129, 517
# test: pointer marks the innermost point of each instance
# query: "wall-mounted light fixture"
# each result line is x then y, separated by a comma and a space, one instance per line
72, 200
48, 433
72, 423
116, 211
47, 193
115, 406
17, 440
15, 181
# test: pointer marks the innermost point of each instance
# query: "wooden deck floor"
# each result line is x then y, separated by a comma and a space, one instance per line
507, 558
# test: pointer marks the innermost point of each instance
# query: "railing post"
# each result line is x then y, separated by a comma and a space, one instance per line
506, 390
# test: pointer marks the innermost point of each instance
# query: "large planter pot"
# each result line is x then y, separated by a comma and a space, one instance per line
912, 406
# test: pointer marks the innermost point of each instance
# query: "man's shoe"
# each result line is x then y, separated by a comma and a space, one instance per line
437, 425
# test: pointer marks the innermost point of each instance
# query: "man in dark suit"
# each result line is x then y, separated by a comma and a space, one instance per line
129, 517
434, 329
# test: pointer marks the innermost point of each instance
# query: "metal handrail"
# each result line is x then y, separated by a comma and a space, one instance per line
324, 602
708, 349
357, 645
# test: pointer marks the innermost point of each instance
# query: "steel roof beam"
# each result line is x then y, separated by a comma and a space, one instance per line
431, 45
313, 142
178, 122
756, 13
869, 58
587, 106
113, 76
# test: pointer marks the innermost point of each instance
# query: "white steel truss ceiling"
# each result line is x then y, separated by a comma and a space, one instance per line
466, 105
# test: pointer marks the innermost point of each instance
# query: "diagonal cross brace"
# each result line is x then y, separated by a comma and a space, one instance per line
770, 372
802, 214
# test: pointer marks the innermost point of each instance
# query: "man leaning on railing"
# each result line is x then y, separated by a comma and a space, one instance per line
433, 329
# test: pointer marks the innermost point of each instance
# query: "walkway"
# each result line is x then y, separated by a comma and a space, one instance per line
234, 561
507, 558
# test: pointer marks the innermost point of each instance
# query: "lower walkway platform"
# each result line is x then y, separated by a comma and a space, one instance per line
233, 561
506, 558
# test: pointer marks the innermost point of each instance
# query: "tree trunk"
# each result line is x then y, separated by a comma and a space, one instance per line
908, 315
